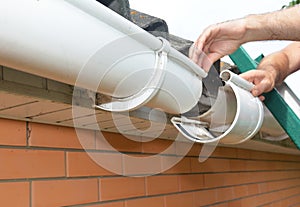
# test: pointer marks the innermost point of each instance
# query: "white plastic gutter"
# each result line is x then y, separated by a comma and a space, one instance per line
83, 43
235, 117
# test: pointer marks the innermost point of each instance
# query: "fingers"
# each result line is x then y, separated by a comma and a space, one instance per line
203, 58
200, 53
251, 75
261, 80
262, 98
209, 47
254, 77
257, 90
196, 52
201, 42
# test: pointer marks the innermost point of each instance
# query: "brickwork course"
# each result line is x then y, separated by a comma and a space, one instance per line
45, 165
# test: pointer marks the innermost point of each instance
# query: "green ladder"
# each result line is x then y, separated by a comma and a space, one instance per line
282, 112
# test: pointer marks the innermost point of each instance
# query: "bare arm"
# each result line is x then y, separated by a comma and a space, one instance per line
224, 38
274, 69
278, 25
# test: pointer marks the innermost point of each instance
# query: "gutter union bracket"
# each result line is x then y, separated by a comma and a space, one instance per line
149, 91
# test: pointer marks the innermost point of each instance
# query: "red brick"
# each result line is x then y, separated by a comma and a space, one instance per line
191, 182
162, 185
292, 166
274, 175
292, 158
253, 189
117, 142
276, 185
263, 199
224, 152
146, 202
226, 179
261, 165
112, 204
196, 150
102, 142
243, 153
188, 148
240, 191
205, 197
249, 202
17, 163
176, 165
158, 146
142, 164
265, 156
278, 204
250, 154
214, 180
238, 165
64, 192
93, 164
12, 132
180, 200
121, 187
236, 203
210, 165
224, 194
221, 205
43, 135
263, 187
292, 201
15, 194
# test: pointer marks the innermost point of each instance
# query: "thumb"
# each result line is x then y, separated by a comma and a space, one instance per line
256, 77
250, 75
256, 91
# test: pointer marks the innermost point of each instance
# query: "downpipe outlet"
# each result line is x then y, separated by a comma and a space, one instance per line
235, 117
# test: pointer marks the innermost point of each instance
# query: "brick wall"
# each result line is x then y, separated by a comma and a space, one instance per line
44, 165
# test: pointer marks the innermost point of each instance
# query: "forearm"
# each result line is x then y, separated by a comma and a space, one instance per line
292, 51
282, 63
278, 25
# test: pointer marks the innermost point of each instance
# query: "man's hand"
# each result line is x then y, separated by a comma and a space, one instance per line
263, 80
217, 41
272, 70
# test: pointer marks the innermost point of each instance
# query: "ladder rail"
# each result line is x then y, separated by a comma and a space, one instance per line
282, 112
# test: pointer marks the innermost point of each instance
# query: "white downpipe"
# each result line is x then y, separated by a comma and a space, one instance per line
83, 42
235, 117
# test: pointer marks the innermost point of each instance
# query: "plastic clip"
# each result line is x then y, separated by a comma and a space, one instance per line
149, 91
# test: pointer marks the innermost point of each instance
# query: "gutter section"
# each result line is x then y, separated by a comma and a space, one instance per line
83, 43
235, 117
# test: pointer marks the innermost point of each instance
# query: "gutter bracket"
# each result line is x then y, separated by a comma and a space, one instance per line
193, 130
149, 91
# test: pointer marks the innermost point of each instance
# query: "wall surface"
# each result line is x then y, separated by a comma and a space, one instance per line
45, 165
